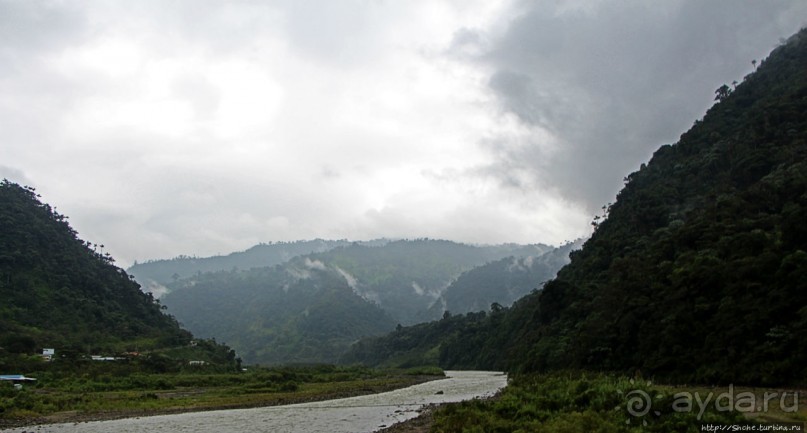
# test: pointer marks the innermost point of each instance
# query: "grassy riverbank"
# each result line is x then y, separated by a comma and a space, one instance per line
102, 394
575, 402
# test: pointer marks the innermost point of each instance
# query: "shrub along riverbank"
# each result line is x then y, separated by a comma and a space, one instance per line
595, 402
113, 391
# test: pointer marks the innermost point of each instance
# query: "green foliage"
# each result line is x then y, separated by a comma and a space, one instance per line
460, 341
61, 292
574, 402
412, 346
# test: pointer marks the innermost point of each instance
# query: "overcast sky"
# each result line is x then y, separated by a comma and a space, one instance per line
202, 127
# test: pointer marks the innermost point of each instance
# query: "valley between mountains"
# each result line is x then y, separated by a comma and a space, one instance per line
313, 299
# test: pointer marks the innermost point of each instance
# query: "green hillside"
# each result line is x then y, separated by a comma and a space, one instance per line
697, 272
61, 292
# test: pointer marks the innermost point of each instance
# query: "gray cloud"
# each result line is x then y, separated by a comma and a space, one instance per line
36, 28
13, 175
329, 30
613, 81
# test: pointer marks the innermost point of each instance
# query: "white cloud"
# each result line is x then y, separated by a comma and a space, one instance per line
315, 264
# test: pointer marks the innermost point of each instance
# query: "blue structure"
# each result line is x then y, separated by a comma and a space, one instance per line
16, 378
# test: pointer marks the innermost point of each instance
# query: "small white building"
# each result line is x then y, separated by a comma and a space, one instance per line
47, 354
105, 358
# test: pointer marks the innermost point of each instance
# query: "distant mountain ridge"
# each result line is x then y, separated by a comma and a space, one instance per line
155, 275
276, 315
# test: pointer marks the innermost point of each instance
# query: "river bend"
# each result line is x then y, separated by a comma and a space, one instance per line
367, 413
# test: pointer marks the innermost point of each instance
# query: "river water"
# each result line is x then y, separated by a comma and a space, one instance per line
367, 413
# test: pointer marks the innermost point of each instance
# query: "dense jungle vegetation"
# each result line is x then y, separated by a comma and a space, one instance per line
61, 292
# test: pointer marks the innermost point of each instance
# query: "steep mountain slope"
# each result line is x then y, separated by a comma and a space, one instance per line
156, 275
503, 281
59, 291
696, 274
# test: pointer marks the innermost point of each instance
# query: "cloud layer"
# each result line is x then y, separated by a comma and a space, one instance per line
201, 127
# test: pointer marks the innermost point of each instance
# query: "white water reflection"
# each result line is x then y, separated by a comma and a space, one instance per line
366, 413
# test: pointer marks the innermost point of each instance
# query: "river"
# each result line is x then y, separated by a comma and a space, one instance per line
367, 413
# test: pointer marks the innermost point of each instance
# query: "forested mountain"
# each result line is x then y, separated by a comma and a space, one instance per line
503, 281
311, 308
60, 292
155, 275
697, 273
300, 312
